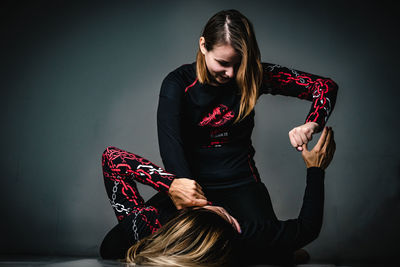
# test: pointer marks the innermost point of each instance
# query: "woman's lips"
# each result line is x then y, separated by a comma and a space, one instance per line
224, 79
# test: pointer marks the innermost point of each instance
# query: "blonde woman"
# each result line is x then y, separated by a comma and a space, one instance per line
199, 236
206, 117
157, 234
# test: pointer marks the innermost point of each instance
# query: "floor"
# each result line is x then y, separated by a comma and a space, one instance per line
94, 262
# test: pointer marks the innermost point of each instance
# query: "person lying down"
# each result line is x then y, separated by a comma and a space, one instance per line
156, 233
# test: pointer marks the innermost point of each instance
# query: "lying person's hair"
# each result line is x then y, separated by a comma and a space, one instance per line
196, 237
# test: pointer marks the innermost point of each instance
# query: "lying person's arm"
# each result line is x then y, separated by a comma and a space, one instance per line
293, 234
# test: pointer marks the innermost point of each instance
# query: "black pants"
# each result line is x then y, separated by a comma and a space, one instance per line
116, 243
249, 204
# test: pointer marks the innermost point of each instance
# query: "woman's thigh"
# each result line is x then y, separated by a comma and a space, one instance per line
249, 204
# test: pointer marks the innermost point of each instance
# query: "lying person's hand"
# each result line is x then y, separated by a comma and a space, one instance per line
186, 193
322, 154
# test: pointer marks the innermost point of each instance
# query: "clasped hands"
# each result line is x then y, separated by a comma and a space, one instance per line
302, 134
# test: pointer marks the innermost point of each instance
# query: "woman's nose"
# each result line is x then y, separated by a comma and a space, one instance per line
230, 72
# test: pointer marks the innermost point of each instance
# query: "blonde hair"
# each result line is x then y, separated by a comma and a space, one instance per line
231, 27
193, 238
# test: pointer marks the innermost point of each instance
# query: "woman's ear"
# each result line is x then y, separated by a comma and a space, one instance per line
202, 45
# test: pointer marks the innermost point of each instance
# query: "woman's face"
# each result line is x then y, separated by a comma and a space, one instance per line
222, 62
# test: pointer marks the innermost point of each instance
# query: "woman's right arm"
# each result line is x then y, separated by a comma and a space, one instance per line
169, 119
184, 191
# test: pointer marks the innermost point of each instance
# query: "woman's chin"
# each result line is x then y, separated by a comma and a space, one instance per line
222, 80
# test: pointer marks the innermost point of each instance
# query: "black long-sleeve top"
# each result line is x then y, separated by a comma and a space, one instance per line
196, 133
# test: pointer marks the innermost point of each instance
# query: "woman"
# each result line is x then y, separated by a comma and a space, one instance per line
137, 219
157, 234
206, 117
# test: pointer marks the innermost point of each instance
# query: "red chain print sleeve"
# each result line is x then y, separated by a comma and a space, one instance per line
321, 91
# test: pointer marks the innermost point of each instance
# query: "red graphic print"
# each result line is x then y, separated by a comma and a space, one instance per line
218, 117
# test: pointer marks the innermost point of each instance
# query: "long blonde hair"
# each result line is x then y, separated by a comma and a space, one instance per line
231, 27
193, 238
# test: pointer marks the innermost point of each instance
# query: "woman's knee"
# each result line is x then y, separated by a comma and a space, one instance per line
107, 152
105, 158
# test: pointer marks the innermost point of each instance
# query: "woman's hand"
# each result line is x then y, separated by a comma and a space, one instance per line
186, 193
322, 153
302, 134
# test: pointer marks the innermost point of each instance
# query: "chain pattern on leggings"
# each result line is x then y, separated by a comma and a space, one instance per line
121, 170
134, 226
117, 206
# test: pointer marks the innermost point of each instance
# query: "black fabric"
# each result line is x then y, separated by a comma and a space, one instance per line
199, 140
272, 241
197, 135
264, 239
116, 242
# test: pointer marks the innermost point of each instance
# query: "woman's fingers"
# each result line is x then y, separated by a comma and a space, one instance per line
295, 139
236, 225
303, 138
328, 139
193, 201
199, 190
200, 202
321, 140
198, 186
322, 153
226, 216
232, 220
331, 145
301, 135
298, 141
199, 195
186, 193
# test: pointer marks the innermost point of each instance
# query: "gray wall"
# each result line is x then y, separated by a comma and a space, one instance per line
76, 78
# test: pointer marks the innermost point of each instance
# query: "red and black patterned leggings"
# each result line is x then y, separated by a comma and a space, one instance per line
137, 219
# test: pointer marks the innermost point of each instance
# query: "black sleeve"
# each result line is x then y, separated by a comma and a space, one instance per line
290, 235
290, 82
296, 233
169, 124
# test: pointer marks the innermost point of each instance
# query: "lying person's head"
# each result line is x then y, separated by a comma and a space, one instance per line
196, 237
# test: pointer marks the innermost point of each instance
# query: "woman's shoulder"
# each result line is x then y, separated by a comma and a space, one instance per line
184, 74
176, 82
267, 66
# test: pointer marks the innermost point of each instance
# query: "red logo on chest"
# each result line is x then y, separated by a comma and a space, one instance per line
218, 117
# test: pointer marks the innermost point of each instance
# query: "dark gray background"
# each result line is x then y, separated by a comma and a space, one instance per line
78, 77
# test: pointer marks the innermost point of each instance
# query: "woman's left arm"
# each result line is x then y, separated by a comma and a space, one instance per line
290, 82
293, 234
